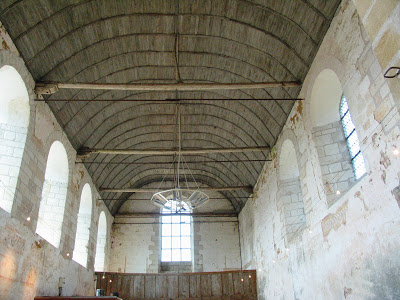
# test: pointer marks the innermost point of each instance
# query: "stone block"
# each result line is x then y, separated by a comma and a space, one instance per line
388, 45
335, 167
363, 6
323, 140
380, 12
331, 149
382, 110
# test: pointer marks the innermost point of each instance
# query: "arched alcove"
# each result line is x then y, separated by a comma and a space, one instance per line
14, 121
83, 227
325, 98
329, 139
290, 195
101, 243
54, 194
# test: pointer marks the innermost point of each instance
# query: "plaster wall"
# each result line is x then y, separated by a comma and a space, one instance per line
219, 246
132, 247
136, 241
29, 265
348, 248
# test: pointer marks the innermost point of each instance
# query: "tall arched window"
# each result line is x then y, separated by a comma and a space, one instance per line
353, 143
330, 141
54, 194
290, 193
176, 242
83, 228
14, 120
101, 243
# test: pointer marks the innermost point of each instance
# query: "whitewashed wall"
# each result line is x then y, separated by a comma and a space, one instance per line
348, 250
29, 265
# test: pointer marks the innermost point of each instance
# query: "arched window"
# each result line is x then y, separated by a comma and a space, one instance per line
14, 120
290, 194
353, 143
83, 228
176, 242
101, 243
54, 194
328, 136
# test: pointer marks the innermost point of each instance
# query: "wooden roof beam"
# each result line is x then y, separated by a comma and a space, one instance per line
247, 188
86, 152
51, 88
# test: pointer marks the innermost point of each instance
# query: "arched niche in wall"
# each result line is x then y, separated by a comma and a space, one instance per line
14, 121
54, 194
101, 243
80, 253
334, 158
290, 196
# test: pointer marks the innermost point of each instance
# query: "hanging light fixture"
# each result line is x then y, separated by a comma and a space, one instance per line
193, 197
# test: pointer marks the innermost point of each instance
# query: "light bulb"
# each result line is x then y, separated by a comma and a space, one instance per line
104, 276
110, 280
337, 192
287, 249
273, 261
259, 270
28, 219
249, 276
309, 231
396, 151
67, 254
242, 279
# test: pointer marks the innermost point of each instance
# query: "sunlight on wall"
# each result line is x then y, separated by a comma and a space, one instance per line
14, 120
54, 193
83, 228
101, 243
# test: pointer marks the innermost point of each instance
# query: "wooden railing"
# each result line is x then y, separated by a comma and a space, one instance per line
211, 285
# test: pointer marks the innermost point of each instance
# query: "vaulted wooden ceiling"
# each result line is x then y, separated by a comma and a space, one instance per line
121, 41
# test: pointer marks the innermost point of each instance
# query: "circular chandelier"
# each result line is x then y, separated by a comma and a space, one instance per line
193, 197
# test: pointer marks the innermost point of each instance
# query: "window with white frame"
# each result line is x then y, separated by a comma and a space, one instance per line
353, 143
176, 245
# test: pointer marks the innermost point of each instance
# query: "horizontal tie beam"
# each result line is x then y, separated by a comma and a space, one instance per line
168, 101
156, 215
150, 190
51, 88
171, 162
86, 152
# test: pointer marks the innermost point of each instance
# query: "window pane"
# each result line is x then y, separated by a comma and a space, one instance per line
185, 242
348, 125
359, 166
176, 219
176, 229
166, 219
185, 219
354, 146
166, 229
343, 106
176, 242
186, 255
353, 142
166, 255
185, 229
166, 242
176, 234
176, 255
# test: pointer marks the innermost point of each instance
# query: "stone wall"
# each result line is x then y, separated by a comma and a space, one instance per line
348, 248
131, 248
334, 159
219, 246
135, 248
29, 265
136, 240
